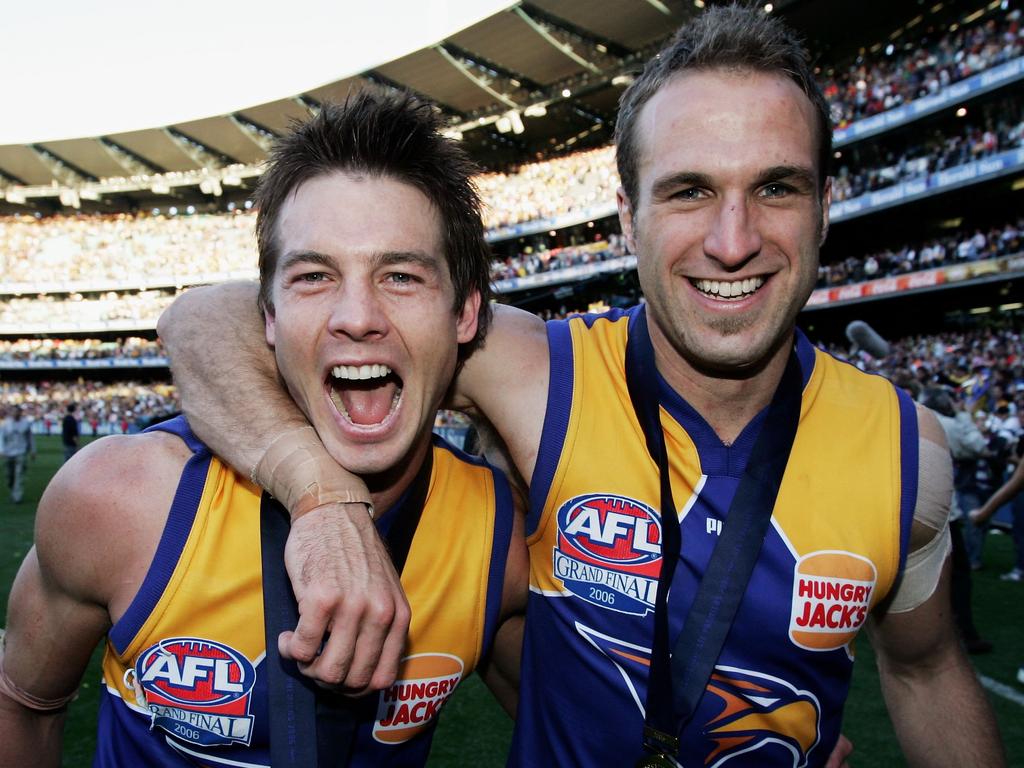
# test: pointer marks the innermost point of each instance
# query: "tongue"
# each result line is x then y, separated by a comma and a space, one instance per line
367, 404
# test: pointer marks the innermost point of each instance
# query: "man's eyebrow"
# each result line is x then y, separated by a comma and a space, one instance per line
796, 174
673, 181
291, 258
418, 258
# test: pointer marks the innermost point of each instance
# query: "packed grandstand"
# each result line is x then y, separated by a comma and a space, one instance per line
927, 175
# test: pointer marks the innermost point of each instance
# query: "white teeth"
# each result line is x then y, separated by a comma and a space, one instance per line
729, 289
360, 372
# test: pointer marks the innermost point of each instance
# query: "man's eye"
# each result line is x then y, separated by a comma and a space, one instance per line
312, 277
401, 278
690, 193
775, 190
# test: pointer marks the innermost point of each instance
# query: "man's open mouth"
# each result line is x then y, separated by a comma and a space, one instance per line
366, 395
728, 289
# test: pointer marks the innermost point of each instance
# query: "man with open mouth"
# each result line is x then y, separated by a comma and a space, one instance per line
374, 286
717, 508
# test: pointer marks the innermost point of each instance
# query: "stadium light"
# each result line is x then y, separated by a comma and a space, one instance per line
15, 196
517, 122
536, 110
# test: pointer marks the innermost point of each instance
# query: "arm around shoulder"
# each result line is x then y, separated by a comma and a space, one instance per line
507, 382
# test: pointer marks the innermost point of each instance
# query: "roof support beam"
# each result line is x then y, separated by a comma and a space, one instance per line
131, 162
478, 82
565, 49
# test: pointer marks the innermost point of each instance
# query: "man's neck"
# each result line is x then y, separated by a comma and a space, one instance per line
387, 488
726, 402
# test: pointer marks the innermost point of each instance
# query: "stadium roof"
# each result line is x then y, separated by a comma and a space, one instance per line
530, 78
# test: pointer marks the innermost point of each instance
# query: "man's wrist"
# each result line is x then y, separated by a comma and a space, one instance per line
298, 471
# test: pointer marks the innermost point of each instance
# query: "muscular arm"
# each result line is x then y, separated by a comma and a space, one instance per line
938, 709
60, 603
937, 706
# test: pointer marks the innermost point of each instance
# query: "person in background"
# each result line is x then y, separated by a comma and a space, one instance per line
69, 432
18, 445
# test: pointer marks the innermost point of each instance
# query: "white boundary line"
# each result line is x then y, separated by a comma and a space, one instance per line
1001, 689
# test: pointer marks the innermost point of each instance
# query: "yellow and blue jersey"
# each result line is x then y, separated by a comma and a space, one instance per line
834, 548
184, 668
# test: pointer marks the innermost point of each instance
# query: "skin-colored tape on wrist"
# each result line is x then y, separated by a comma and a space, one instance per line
12, 691
298, 471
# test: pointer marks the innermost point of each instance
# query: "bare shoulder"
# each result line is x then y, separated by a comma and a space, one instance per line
507, 382
107, 507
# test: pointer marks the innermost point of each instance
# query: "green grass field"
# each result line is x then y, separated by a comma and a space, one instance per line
474, 731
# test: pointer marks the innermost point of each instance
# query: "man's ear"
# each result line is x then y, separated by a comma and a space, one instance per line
468, 317
826, 204
625, 217
269, 322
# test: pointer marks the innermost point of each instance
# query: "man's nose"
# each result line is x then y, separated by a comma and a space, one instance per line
358, 313
733, 236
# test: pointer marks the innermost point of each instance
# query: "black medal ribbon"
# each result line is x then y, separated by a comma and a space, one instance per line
679, 675
311, 726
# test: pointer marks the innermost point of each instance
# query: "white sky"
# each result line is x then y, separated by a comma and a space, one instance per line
75, 68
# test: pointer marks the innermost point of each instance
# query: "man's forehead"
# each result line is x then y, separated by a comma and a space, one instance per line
370, 212
722, 114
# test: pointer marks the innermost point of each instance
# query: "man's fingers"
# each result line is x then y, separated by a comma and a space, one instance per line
842, 750
331, 667
303, 644
391, 652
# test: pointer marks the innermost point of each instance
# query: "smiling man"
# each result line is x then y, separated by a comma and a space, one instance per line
373, 285
699, 442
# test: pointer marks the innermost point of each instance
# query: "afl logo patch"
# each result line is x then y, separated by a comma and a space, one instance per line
426, 681
199, 690
832, 594
609, 551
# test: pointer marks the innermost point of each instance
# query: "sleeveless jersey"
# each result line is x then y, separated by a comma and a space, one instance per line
833, 550
184, 668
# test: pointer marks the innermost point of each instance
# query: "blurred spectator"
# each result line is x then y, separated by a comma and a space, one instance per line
69, 432
18, 445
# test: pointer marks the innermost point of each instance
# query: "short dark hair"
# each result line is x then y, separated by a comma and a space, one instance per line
722, 37
392, 135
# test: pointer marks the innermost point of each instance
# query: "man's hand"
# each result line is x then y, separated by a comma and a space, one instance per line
345, 586
842, 750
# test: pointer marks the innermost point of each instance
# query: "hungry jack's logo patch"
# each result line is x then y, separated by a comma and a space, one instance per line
426, 681
832, 594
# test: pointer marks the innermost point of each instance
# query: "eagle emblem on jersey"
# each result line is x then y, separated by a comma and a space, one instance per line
608, 552
750, 711
198, 690
763, 713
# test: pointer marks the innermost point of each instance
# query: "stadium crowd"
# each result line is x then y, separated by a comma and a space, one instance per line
132, 347
103, 408
128, 249
532, 262
872, 166
866, 87
135, 309
956, 248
